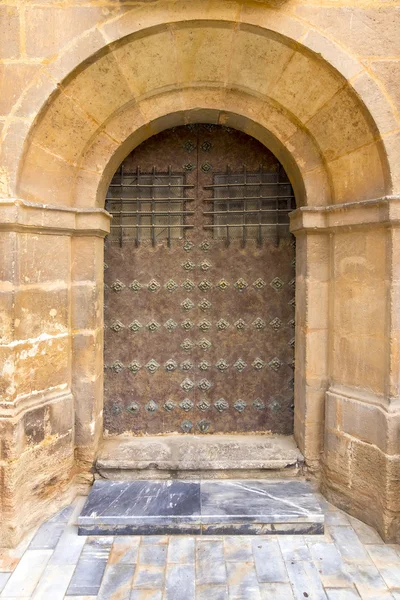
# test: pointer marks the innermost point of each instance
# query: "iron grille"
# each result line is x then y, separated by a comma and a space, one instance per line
250, 205
148, 206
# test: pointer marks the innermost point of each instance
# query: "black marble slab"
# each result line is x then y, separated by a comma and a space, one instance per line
201, 507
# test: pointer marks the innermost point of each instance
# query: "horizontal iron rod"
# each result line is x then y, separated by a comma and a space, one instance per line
149, 185
248, 184
246, 212
151, 212
244, 225
133, 199
155, 226
237, 198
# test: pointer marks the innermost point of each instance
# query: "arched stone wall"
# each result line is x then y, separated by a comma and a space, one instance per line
315, 108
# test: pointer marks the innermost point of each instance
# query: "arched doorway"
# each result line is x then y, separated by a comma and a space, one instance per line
199, 287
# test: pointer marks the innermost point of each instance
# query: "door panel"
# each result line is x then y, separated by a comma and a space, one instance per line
199, 287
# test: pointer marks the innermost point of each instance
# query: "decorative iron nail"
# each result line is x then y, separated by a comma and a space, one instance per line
206, 146
239, 405
223, 284
204, 285
189, 146
187, 426
186, 405
206, 167
153, 286
275, 324
187, 385
170, 365
222, 325
171, 286
291, 343
204, 325
152, 366
204, 385
117, 286
187, 304
204, 365
151, 406
275, 364
169, 405
135, 286
116, 409
204, 344
275, 405
117, 366
258, 404
292, 302
259, 323
188, 285
170, 325
259, 284
105, 266
221, 405
134, 366
277, 284
153, 326
203, 405
188, 245
187, 345
135, 326
187, 324
186, 365
292, 283
117, 326
205, 245
222, 365
203, 426
293, 263
189, 167
292, 364
258, 364
133, 408
188, 265
240, 365
209, 126
292, 323
241, 285
204, 305
240, 325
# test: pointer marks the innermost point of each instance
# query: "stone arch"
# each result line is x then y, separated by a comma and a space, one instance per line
303, 106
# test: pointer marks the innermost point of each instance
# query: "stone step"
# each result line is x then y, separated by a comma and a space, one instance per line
224, 507
199, 457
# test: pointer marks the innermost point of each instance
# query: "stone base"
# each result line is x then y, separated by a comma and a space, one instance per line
202, 508
199, 457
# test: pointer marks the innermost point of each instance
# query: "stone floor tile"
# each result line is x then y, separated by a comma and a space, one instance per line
117, 582
153, 554
27, 573
238, 548
396, 594
368, 581
146, 595
47, 536
4, 577
276, 591
342, 594
211, 592
78, 598
63, 515
181, 550
330, 565
54, 582
305, 580
242, 579
294, 547
149, 577
336, 517
180, 582
391, 575
89, 571
350, 546
210, 562
269, 563
125, 550
154, 539
77, 505
383, 555
365, 533
69, 547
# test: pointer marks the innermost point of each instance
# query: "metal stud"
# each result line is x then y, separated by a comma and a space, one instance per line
239, 405
205, 265
259, 284
171, 286
258, 364
259, 323
135, 326
204, 344
153, 326
204, 385
153, 286
133, 408
241, 285
188, 265
204, 365
151, 406
186, 365
240, 325
187, 426
275, 405
189, 167
187, 385
277, 284
204, 285
152, 366
169, 405
116, 409
222, 365
275, 324
188, 285
135, 286
170, 365
204, 325
291, 343
187, 324
117, 326
134, 366
292, 302
186, 404
206, 167
206, 146
292, 323
222, 325
187, 304
223, 284
117, 366
189, 146
188, 245
105, 266
221, 405
203, 426
205, 245
170, 325
258, 404
187, 345
240, 365
203, 405
204, 304
292, 283
117, 286
275, 364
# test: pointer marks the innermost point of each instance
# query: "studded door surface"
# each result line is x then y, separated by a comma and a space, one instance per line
199, 287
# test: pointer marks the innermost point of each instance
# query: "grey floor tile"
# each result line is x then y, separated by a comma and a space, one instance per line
276, 591
238, 548
4, 577
63, 515
336, 518
27, 574
383, 555
365, 533
48, 535
210, 562
153, 554
242, 579
305, 581
294, 547
89, 571
117, 582
211, 592
367, 580
270, 566
53, 583
125, 550
146, 595
154, 539
180, 582
330, 565
350, 546
69, 547
149, 577
181, 550
342, 594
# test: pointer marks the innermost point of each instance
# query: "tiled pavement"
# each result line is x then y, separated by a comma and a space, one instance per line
350, 561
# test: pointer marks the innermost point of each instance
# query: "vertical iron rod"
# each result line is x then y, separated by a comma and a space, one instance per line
259, 207
153, 229
121, 204
169, 208
138, 208
244, 207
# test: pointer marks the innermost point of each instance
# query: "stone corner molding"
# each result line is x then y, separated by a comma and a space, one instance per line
379, 212
22, 215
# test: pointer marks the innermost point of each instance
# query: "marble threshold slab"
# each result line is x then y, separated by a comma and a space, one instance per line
242, 507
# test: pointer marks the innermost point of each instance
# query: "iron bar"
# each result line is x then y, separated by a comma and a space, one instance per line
138, 219
156, 226
121, 234
249, 184
153, 231
259, 232
244, 209
149, 185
